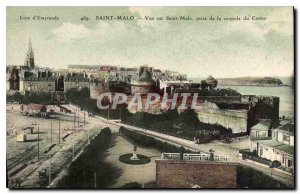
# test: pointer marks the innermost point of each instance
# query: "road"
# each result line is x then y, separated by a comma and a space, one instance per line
62, 156
231, 150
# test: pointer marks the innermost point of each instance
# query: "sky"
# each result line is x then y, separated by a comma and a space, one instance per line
223, 48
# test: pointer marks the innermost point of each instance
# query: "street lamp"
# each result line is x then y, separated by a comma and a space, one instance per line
49, 86
77, 85
211, 156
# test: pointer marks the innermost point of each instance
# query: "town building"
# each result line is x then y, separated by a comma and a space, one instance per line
29, 77
209, 83
127, 74
144, 83
76, 81
107, 72
12, 78
261, 130
81, 68
35, 84
279, 148
33, 109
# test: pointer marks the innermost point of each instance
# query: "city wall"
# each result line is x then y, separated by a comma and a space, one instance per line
235, 120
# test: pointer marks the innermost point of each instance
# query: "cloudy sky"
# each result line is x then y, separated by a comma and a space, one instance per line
198, 49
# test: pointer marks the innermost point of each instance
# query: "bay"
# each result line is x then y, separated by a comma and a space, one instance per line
286, 95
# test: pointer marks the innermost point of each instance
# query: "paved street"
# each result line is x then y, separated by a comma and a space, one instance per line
62, 155
230, 150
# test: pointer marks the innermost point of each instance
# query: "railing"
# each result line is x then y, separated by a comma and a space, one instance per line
194, 157
257, 159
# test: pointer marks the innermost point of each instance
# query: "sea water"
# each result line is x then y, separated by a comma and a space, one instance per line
285, 93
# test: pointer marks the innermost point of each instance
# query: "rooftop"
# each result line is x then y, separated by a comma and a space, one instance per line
290, 127
35, 106
263, 125
278, 145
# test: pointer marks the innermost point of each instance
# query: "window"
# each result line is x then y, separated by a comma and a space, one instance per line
286, 138
290, 163
261, 151
283, 159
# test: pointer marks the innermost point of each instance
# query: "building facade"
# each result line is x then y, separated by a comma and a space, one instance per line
280, 147
144, 83
261, 130
76, 82
32, 84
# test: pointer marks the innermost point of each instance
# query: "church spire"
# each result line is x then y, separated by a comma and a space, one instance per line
29, 60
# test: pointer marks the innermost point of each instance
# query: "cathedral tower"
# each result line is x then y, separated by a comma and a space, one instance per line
29, 60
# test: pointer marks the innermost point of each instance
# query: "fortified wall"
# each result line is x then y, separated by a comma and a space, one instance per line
238, 113
96, 90
230, 119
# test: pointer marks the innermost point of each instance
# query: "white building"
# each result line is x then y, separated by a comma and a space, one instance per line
261, 130
46, 84
78, 81
280, 147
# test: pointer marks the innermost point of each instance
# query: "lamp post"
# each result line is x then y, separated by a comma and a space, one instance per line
108, 113
51, 133
83, 117
75, 112
78, 118
58, 130
88, 135
73, 152
38, 154
211, 155
49, 86
77, 85
50, 170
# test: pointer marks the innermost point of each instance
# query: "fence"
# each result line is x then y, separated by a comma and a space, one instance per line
256, 159
194, 157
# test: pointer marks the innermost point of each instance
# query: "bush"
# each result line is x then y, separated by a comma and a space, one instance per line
142, 159
164, 123
132, 185
30, 97
81, 171
82, 99
15, 97
251, 178
275, 164
251, 156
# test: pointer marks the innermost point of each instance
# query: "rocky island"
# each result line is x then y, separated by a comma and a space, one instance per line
251, 81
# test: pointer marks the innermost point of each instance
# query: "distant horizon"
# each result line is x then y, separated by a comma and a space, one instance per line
66, 66
137, 66
195, 48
